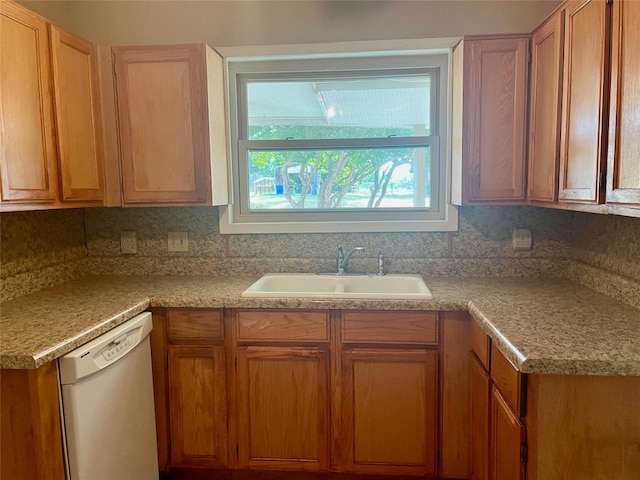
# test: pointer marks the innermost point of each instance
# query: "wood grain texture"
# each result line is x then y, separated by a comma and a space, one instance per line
28, 164
496, 83
583, 427
198, 415
390, 401
455, 432
510, 382
159, 365
545, 100
109, 131
283, 325
162, 106
584, 105
413, 328
623, 165
480, 344
194, 325
480, 393
75, 94
30, 432
507, 434
283, 408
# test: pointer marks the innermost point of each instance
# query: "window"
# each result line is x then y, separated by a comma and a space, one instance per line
342, 144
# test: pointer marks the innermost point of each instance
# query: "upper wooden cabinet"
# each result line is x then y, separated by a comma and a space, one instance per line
623, 170
50, 148
172, 125
489, 119
584, 102
545, 113
77, 114
28, 154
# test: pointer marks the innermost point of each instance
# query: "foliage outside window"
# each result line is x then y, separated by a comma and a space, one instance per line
319, 147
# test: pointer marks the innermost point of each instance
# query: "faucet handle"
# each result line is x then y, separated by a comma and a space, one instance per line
380, 263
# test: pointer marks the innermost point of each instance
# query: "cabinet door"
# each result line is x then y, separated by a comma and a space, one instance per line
390, 406
162, 107
507, 457
480, 394
545, 114
283, 408
27, 148
495, 108
75, 96
623, 173
583, 143
197, 406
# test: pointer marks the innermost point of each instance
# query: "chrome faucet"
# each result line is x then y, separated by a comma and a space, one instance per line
343, 260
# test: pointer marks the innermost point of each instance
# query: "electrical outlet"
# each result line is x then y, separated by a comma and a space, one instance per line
521, 239
178, 241
128, 242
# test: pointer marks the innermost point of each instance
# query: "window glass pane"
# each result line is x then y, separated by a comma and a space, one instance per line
367, 107
324, 179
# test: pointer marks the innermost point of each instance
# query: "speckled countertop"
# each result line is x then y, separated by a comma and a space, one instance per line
549, 326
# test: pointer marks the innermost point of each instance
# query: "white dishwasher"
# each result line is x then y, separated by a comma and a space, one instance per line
107, 404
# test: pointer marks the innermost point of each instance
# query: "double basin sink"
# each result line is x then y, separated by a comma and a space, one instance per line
309, 285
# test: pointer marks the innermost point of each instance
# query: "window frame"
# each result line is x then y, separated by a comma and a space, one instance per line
237, 218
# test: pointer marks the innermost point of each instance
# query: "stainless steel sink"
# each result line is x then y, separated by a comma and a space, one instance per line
309, 285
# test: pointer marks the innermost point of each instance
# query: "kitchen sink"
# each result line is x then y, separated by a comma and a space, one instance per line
309, 285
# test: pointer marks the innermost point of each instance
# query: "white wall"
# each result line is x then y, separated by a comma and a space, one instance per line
269, 22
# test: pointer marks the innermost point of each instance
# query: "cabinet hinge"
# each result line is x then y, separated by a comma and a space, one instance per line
524, 453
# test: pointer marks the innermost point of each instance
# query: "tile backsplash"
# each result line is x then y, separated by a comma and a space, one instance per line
39, 249
481, 247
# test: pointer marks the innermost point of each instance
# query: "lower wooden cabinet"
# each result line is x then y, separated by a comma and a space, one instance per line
198, 406
283, 408
390, 406
480, 392
507, 441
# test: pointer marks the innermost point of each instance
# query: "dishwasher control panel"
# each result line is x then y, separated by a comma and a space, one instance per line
117, 347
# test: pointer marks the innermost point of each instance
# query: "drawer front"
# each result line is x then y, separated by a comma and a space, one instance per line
390, 327
274, 326
480, 344
194, 325
509, 381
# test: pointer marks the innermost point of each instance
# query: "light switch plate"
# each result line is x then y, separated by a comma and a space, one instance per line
128, 242
521, 239
178, 241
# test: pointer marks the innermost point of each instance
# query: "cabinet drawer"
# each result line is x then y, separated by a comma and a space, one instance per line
509, 381
270, 325
480, 344
390, 327
194, 325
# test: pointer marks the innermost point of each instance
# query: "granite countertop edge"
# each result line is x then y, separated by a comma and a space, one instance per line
494, 316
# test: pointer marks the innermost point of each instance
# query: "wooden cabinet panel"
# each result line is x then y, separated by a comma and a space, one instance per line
584, 106
194, 325
623, 172
283, 325
198, 414
545, 113
509, 380
495, 102
27, 147
77, 117
480, 393
283, 408
168, 133
390, 404
480, 344
390, 327
507, 435
30, 430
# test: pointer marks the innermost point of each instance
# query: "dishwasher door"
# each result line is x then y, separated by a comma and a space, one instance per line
108, 409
